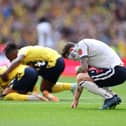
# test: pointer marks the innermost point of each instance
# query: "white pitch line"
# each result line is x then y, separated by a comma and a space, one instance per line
62, 102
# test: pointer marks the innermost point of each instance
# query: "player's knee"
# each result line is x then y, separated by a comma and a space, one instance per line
82, 77
41, 89
46, 87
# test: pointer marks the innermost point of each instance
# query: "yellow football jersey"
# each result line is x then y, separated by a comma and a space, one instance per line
3, 83
17, 72
39, 53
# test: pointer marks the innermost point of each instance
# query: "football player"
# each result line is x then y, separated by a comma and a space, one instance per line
21, 82
7, 88
100, 66
46, 61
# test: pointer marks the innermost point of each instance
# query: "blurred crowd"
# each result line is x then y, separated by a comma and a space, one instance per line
70, 20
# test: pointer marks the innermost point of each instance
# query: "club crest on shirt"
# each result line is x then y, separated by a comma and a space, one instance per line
80, 51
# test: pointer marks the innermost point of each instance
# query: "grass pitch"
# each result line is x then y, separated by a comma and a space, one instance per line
15, 113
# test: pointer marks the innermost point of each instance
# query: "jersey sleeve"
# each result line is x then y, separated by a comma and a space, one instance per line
82, 50
22, 51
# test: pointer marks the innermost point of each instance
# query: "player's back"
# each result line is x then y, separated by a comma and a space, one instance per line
17, 72
39, 53
99, 51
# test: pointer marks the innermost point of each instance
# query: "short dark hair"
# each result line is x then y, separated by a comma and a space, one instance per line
10, 47
43, 19
65, 51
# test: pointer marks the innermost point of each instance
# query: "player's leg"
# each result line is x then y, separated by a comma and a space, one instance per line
46, 89
107, 78
27, 82
63, 86
115, 95
16, 97
24, 97
50, 77
85, 81
110, 90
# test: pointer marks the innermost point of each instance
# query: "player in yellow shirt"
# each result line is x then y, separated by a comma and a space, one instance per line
47, 61
19, 72
21, 82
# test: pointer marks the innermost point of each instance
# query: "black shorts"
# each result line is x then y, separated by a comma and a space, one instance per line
27, 82
108, 77
52, 74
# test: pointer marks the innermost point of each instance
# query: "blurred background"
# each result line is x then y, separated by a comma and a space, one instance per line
52, 23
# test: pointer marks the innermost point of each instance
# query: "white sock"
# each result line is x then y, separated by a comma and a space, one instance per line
92, 87
33, 98
73, 86
109, 90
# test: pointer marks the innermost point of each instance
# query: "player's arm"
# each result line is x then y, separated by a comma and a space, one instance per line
77, 94
7, 91
84, 64
13, 65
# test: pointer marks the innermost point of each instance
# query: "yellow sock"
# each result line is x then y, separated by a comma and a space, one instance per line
35, 89
16, 97
61, 86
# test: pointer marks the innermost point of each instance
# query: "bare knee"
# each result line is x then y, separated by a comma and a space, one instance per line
46, 85
83, 77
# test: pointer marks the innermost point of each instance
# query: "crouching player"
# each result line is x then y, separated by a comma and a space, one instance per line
20, 85
46, 61
110, 70
105, 92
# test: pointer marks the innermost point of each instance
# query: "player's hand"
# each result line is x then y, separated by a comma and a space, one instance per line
74, 104
4, 77
42, 98
78, 69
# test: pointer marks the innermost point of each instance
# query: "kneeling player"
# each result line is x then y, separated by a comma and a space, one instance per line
20, 82
23, 80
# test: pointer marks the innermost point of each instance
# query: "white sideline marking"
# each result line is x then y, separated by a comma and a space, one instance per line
61, 102
67, 100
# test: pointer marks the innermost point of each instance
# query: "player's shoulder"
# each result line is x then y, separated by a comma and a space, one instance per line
90, 41
86, 40
3, 69
25, 48
31, 47
22, 66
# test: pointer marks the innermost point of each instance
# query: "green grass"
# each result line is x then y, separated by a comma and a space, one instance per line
60, 114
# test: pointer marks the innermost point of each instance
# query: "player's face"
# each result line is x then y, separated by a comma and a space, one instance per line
73, 54
12, 55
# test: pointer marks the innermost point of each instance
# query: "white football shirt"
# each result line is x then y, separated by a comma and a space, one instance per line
99, 54
45, 37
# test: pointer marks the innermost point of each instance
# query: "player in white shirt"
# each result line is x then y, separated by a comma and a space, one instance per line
100, 67
45, 33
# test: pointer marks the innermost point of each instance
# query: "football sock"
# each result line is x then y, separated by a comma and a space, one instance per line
109, 90
36, 98
16, 97
61, 86
23, 97
73, 87
35, 89
92, 87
